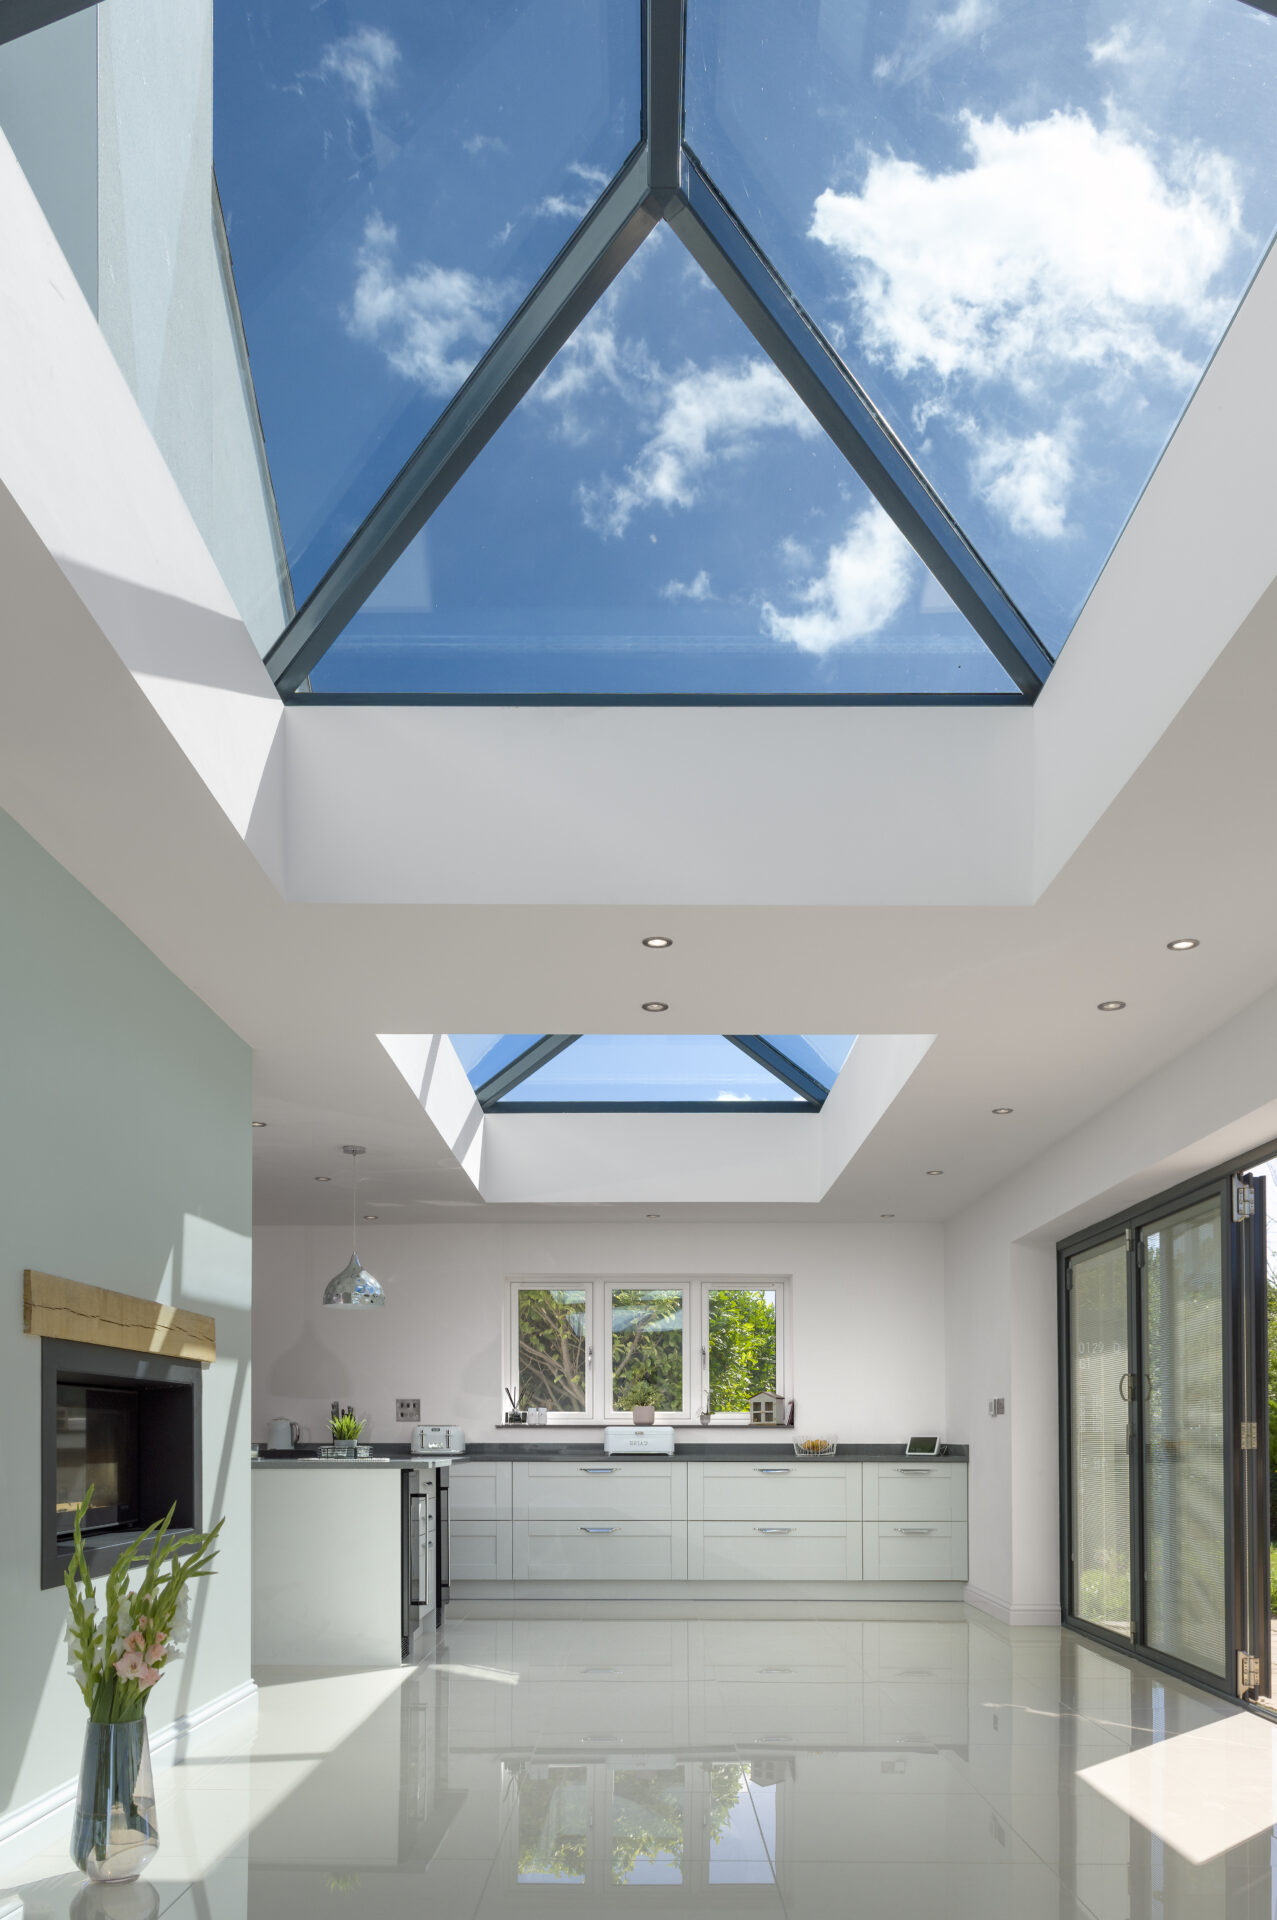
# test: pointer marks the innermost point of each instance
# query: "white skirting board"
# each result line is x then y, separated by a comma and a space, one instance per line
1037, 1616
20, 1818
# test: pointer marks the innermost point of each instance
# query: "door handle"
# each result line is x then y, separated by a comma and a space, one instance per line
773, 1529
914, 1469
914, 1529
598, 1529
771, 1469
596, 1469
1124, 1386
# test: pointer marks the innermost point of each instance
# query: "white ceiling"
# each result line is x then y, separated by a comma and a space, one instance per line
322, 876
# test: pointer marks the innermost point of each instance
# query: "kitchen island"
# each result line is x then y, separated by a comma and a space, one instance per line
344, 1555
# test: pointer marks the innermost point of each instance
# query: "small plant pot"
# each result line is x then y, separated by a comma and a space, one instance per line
643, 1416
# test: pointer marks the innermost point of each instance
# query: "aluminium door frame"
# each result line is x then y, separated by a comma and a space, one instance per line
1132, 1223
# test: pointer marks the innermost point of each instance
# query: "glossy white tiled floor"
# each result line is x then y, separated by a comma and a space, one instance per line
697, 1764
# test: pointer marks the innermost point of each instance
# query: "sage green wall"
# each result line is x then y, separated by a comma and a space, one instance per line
125, 1160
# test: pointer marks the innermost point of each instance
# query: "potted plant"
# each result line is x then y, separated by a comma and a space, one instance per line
116, 1658
345, 1427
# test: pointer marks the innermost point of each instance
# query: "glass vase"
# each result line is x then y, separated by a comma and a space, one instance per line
114, 1836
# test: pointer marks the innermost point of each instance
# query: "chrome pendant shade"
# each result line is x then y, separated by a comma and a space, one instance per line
354, 1286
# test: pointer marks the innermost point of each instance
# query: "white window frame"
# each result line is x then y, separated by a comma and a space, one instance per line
696, 1290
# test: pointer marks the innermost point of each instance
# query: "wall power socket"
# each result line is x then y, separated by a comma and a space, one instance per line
407, 1409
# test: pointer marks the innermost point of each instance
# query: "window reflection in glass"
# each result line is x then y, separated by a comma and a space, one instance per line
554, 1825
647, 1349
552, 1348
647, 1827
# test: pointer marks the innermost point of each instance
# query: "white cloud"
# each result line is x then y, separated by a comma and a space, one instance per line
1061, 245
694, 589
364, 61
739, 1098
866, 581
432, 323
707, 414
1119, 49
1027, 482
930, 41
557, 206
592, 176
596, 357
484, 143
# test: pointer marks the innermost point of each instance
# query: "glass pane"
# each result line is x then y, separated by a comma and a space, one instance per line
393, 187
647, 1827
647, 1349
554, 1826
823, 1055
1185, 1482
97, 1433
742, 1346
1024, 226
659, 515
484, 1054
634, 1068
1099, 1376
552, 1342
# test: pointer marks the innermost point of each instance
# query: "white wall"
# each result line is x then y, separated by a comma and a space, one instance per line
1217, 1100
125, 1161
867, 1316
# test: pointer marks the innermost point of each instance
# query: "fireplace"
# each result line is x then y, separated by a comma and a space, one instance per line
127, 1425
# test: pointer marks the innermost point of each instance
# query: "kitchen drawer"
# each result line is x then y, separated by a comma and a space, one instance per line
479, 1550
915, 1490
915, 1550
479, 1490
600, 1490
600, 1549
774, 1490
773, 1550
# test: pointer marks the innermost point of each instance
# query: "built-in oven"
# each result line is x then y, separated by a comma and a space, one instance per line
425, 1535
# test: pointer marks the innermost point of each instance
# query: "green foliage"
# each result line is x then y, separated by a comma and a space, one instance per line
742, 1348
346, 1425
647, 1349
552, 1349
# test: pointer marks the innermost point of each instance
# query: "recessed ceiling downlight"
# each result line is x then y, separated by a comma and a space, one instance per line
372, 1216
323, 1178
656, 1006
1110, 1006
1002, 1109
935, 1173
886, 1216
1182, 946
259, 1123
657, 940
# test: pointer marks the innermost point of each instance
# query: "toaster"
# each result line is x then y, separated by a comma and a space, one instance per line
438, 1440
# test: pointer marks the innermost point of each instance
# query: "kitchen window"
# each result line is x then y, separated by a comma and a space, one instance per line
595, 1350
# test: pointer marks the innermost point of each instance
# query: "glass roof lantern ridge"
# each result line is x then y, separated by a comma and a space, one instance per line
837, 182
666, 1072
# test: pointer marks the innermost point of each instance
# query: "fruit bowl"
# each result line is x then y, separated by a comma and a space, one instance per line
814, 1448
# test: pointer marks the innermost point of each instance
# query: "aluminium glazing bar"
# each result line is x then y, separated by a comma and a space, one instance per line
780, 1065
520, 1068
28, 16
591, 260
717, 241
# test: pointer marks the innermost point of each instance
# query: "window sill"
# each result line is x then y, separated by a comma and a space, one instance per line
738, 1423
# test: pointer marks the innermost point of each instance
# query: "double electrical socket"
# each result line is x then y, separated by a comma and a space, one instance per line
407, 1409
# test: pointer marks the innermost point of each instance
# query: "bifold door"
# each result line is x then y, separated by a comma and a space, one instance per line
1161, 1336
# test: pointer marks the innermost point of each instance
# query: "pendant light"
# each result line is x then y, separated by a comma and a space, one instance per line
353, 1286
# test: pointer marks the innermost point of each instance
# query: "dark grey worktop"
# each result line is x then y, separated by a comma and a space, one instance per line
392, 1455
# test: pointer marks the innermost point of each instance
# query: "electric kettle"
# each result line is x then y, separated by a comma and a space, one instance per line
282, 1435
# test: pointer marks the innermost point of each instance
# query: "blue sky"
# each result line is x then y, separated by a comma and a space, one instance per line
653, 1066
1025, 229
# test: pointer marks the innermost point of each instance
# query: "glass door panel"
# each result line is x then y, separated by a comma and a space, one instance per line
1183, 1402
1100, 1477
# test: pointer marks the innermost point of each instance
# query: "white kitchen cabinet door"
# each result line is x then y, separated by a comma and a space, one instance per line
773, 1550
600, 1490
915, 1490
915, 1550
600, 1550
774, 1490
479, 1550
479, 1490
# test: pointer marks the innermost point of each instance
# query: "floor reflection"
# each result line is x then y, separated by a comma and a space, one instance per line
700, 1766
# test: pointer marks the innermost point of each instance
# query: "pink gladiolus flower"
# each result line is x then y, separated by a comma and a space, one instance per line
135, 1642
147, 1677
156, 1652
130, 1666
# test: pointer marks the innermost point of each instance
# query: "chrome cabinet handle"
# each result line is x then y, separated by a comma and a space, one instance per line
913, 1529
771, 1469
596, 1469
598, 1529
914, 1469
773, 1529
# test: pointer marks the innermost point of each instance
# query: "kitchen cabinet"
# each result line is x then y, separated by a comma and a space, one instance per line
600, 1490
479, 1550
600, 1550
773, 1490
479, 1489
915, 1490
773, 1550
915, 1550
